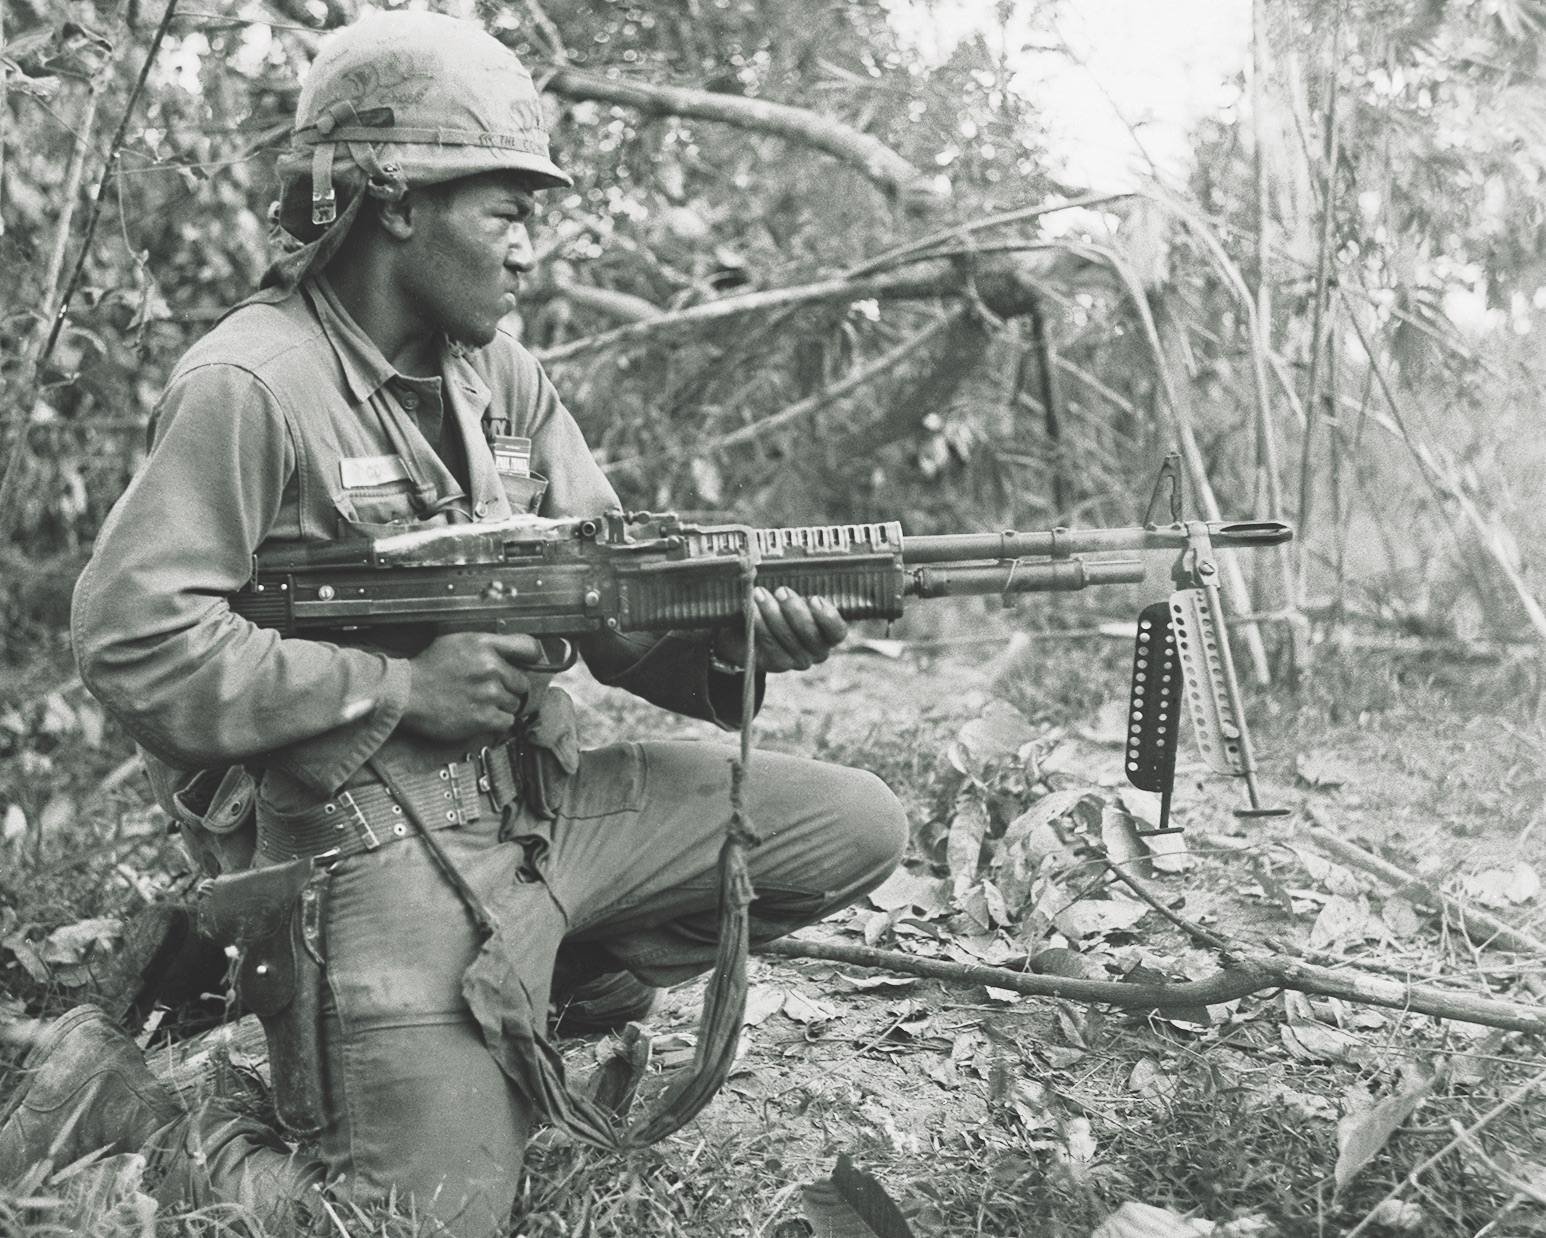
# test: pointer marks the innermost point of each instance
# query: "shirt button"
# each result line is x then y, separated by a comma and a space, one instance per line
410, 401
480, 510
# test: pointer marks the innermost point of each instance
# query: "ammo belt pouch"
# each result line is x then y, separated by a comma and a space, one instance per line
362, 818
274, 917
213, 809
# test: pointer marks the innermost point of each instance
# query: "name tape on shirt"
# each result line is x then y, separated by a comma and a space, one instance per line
512, 455
371, 471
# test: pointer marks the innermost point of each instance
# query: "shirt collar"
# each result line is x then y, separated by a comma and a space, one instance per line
365, 369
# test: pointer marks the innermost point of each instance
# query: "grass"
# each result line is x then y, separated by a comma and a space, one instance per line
935, 1118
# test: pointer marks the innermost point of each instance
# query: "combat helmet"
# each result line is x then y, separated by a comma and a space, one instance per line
397, 100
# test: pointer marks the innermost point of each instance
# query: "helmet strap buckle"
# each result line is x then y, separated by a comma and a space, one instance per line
324, 202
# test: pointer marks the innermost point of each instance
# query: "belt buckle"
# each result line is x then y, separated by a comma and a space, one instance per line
371, 841
485, 773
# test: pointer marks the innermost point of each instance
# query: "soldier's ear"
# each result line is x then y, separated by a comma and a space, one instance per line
396, 218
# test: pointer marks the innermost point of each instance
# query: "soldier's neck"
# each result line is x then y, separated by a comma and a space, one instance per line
381, 310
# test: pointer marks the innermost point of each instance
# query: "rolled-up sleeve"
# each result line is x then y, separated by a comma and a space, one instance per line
154, 636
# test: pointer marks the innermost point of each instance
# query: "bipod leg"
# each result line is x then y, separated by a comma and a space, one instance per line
1154, 711
1218, 715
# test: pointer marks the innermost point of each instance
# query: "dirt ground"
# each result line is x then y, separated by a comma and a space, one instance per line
983, 1112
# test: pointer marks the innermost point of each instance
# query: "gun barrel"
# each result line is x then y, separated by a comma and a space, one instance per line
1021, 576
1059, 543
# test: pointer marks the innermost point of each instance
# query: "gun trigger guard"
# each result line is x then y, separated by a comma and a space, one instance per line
549, 666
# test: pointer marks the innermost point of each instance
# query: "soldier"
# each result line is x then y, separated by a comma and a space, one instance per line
371, 386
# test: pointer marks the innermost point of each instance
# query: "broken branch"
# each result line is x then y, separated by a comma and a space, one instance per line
1414, 887
868, 154
1241, 978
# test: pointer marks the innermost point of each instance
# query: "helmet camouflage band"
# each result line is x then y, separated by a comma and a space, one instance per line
416, 99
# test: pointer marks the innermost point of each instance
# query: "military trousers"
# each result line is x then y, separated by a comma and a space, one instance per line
417, 1108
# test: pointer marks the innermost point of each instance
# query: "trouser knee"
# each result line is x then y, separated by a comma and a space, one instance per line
873, 829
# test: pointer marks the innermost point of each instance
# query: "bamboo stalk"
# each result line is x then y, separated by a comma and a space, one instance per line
1318, 334
1420, 891
1244, 976
1439, 478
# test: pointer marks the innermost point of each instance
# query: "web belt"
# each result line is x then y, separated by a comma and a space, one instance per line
369, 816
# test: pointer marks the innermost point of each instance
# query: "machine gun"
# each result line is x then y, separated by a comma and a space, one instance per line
653, 573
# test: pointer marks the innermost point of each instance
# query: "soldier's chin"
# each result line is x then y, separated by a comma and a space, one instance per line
469, 335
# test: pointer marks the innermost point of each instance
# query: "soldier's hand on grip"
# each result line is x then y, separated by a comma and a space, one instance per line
469, 684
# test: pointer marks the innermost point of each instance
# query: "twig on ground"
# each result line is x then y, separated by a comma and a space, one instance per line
1195, 931
1503, 1106
1520, 1187
1467, 917
1242, 977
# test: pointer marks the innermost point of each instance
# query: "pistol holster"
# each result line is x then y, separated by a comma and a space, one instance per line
273, 916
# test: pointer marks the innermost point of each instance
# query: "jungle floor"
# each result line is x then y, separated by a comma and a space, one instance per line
980, 1111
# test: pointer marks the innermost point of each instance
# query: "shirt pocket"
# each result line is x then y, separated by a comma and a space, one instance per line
374, 511
524, 493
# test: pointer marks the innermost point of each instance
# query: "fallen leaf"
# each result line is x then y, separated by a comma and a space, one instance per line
72, 942
26, 954
1135, 1220
58, 717
963, 848
1315, 1042
1322, 770
1305, 1104
56, 815
1060, 1057
1096, 917
998, 909
1151, 1082
762, 1002
917, 890
1360, 1136
998, 733
1495, 887
15, 825
1401, 1215
1006, 996
1343, 922
1400, 917
1119, 838
1168, 853
1078, 1150
803, 1009
877, 982
1061, 961
852, 1204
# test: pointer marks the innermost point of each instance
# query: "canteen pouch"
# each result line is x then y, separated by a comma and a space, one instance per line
274, 917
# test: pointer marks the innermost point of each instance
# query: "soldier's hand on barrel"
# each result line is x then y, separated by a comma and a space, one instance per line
793, 632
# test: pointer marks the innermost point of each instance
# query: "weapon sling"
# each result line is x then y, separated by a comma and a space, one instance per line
525, 1053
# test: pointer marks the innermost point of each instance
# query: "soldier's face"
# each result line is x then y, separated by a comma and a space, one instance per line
469, 248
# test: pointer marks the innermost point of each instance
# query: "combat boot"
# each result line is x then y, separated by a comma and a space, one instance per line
86, 1088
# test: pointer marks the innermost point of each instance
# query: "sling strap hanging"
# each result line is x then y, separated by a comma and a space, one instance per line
514, 1030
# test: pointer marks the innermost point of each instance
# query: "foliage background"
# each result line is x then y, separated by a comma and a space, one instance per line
1426, 203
